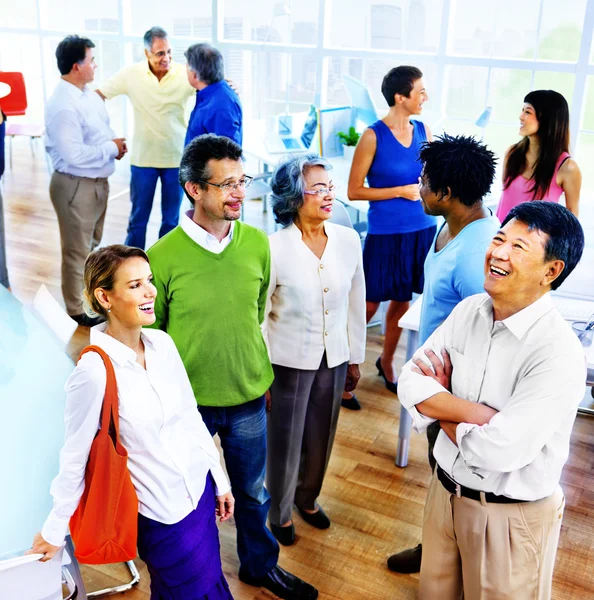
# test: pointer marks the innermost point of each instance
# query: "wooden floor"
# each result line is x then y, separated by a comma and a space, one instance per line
375, 507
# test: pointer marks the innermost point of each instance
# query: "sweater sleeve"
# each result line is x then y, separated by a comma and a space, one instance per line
161, 301
265, 283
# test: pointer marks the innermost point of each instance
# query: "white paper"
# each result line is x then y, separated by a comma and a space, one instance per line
53, 315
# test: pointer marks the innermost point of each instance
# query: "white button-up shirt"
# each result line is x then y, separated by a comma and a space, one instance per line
316, 305
531, 368
170, 450
78, 136
202, 237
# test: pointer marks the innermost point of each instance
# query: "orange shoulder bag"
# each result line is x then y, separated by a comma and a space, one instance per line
104, 527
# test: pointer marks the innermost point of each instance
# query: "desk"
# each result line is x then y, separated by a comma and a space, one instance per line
410, 322
255, 145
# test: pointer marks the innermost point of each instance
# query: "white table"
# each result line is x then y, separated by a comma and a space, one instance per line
410, 322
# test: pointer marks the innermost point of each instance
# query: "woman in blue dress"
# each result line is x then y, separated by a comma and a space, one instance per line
399, 232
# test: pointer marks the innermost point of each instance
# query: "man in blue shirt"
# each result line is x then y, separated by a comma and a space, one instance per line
218, 109
458, 172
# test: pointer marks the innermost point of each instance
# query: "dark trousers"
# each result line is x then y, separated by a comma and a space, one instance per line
143, 183
301, 429
242, 430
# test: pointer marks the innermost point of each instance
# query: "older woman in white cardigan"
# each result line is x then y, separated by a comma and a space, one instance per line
315, 329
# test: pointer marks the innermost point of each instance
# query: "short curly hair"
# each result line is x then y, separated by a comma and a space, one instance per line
460, 163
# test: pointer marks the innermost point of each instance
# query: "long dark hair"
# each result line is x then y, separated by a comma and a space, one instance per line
552, 113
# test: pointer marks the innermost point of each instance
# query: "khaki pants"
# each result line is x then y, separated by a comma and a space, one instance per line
480, 551
80, 204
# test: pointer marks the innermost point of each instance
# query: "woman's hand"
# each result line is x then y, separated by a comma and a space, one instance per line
225, 506
40, 546
268, 401
410, 192
352, 378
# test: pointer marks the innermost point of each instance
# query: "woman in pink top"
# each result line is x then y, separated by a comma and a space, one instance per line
539, 166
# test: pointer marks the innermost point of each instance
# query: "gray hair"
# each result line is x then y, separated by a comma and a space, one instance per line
288, 185
206, 61
152, 34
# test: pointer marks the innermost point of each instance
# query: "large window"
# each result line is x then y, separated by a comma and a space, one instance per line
282, 55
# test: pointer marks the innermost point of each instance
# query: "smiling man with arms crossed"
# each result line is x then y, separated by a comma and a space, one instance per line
504, 376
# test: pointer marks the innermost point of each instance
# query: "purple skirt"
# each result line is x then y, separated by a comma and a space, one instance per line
184, 559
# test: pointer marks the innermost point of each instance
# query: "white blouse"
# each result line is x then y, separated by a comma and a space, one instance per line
170, 450
316, 305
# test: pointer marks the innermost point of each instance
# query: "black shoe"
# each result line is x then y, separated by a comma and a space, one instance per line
392, 386
86, 321
351, 403
285, 535
407, 561
319, 519
283, 584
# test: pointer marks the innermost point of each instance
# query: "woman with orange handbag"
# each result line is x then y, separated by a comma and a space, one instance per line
173, 462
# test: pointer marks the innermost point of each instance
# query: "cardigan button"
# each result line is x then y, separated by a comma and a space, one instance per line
325, 333
326, 289
326, 312
321, 266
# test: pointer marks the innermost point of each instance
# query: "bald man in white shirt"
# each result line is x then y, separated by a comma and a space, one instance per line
504, 376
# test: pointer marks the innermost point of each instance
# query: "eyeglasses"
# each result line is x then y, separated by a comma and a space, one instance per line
228, 187
321, 191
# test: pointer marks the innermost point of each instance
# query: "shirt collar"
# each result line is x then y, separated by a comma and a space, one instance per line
209, 90
199, 234
520, 322
71, 89
117, 351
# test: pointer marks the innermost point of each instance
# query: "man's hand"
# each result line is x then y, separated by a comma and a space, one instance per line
122, 148
268, 401
352, 378
225, 506
40, 546
442, 373
232, 85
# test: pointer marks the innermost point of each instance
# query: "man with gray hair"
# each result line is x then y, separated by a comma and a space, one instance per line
159, 92
217, 109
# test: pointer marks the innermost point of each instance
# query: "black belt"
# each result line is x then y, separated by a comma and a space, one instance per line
459, 490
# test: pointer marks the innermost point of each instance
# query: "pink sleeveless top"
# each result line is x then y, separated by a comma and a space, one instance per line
519, 191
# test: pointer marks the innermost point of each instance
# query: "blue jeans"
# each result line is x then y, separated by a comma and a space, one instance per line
242, 430
143, 182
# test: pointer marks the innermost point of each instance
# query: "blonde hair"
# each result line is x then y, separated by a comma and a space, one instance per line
101, 267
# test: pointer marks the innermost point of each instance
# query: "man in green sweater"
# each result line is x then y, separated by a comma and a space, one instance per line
212, 274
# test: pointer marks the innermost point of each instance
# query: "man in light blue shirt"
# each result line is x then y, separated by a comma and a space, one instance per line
458, 172
83, 149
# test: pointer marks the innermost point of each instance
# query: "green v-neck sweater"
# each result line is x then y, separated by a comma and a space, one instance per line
212, 306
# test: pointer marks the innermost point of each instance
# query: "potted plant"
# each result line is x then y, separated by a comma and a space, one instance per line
349, 141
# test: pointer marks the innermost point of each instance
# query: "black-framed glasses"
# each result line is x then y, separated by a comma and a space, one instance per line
243, 183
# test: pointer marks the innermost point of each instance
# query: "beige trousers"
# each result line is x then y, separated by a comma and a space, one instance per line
80, 204
480, 551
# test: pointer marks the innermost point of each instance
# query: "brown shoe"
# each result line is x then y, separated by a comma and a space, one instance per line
407, 561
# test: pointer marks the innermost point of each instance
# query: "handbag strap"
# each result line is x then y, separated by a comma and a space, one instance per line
110, 410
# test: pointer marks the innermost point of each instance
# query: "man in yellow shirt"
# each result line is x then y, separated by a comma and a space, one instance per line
159, 91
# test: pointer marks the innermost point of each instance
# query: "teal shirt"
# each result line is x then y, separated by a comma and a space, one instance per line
212, 305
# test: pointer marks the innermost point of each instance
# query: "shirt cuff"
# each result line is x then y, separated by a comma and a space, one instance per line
55, 529
221, 481
467, 455
111, 148
416, 389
